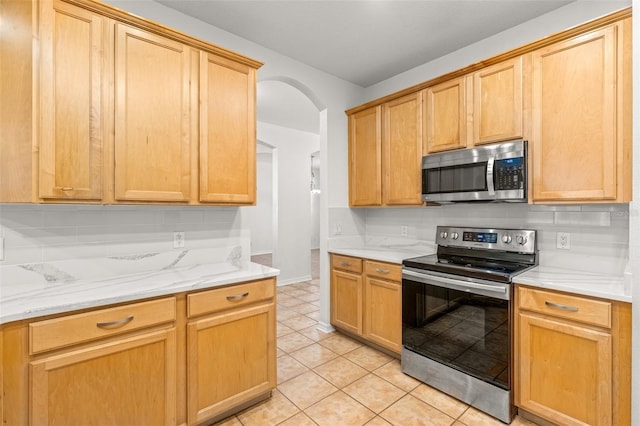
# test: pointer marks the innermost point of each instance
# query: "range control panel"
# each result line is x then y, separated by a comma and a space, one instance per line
515, 240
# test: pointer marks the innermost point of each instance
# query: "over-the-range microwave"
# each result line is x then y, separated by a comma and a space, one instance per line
496, 172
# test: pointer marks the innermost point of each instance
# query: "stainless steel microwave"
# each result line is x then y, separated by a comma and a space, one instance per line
496, 172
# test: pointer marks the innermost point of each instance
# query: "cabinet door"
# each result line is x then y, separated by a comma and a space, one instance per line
365, 158
130, 381
565, 371
383, 316
227, 131
446, 116
402, 151
71, 108
346, 301
497, 102
152, 112
231, 359
574, 119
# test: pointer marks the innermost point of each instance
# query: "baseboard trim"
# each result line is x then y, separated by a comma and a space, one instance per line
294, 280
325, 327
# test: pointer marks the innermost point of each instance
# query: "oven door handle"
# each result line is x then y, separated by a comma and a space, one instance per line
455, 284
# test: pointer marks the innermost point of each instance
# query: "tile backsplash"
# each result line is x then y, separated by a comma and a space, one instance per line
599, 233
37, 234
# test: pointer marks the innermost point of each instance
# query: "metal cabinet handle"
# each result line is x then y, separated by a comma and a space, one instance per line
563, 307
67, 188
382, 271
345, 264
115, 324
237, 296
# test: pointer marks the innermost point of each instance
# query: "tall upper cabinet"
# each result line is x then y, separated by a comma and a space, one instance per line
385, 150
581, 124
72, 102
118, 109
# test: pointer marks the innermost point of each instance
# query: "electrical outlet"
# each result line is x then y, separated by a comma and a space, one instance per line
404, 231
337, 229
563, 240
1, 248
178, 239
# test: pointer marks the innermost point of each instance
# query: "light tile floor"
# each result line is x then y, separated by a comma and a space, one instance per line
331, 379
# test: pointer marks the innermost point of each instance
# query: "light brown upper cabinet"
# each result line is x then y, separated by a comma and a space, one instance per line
122, 110
385, 151
497, 102
581, 124
227, 131
446, 116
365, 157
71, 103
152, 138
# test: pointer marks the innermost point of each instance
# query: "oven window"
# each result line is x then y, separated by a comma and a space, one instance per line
462, 178
465, 331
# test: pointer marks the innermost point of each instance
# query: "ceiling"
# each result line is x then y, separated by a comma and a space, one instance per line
362, 41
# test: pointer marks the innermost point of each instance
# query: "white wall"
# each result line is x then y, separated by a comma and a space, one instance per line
260, 216
294, 149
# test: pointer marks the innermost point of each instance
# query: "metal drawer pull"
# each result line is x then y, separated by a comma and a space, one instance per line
382, 271
345, 264
237, 296
67, 188
115, 324
563, 307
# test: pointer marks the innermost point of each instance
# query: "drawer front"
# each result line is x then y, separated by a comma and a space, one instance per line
386, 271
79, 328
346, 263
590, 311
229, 297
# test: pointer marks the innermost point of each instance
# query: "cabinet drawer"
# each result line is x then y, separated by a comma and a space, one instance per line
229, 297
387, 271
590, 311
346, 263
73, 329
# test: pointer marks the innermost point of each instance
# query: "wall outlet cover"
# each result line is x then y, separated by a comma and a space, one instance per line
563, 240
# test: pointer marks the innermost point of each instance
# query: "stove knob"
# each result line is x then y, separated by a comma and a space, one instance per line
521, 239
506, 238
444, 235
454, 235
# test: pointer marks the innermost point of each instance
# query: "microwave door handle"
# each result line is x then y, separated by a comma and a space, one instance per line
490, 186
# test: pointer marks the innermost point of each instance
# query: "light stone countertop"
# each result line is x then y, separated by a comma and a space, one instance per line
58, 297
568, 280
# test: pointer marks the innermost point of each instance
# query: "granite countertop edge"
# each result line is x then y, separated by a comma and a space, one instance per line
544, 277
61, 298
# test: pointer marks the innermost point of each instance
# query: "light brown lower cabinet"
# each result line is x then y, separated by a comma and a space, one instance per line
366, 298
185, 359
573, 358
231, 348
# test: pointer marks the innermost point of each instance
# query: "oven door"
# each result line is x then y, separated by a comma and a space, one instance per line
459, 322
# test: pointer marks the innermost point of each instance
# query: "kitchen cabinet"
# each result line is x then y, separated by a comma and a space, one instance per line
366, 299
72, 102
108, 380
188, 358
446, 116
497, 113
231, 348
483, 107
227, 131
573, 358
385, 153
346, 293
152, 117
581, 120
124, 111
382, 305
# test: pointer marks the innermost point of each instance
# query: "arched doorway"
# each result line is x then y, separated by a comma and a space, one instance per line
289, 136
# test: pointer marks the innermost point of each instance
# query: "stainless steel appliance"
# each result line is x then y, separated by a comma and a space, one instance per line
457, 314
495, 172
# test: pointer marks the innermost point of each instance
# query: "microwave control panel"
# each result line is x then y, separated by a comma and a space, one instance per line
509, 174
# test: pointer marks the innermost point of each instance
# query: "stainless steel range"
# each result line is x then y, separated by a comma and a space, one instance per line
457, 315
